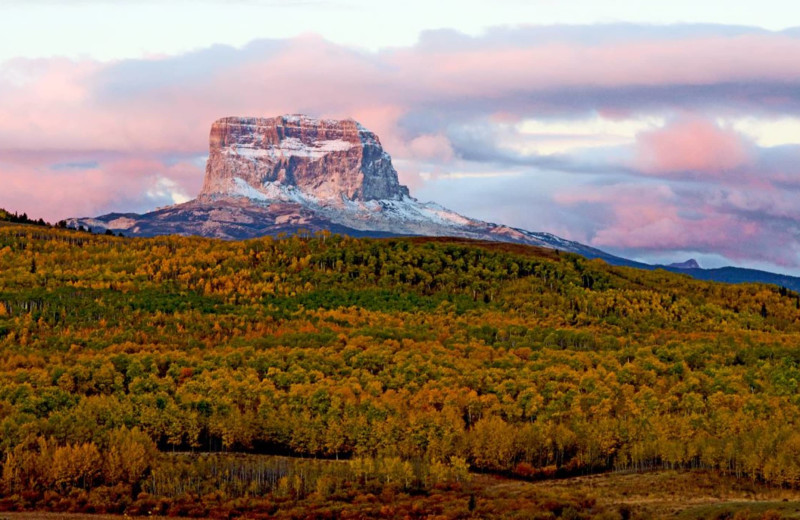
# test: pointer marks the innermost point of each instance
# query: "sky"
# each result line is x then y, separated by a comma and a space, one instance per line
652, 131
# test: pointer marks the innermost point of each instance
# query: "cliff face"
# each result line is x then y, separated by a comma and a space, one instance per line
324, 159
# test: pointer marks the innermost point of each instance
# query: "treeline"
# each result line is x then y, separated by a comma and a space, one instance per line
16, 218
23, 218
515, 360
238, 476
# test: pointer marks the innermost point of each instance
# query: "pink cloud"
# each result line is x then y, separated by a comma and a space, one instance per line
431, 148
694, 146
649, 218
645, 217
692, 61
115, 184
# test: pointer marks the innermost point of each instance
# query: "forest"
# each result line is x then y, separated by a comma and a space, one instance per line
142, 375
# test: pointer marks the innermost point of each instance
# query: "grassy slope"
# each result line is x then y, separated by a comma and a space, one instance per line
674, 494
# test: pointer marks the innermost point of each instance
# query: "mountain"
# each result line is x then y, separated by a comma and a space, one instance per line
740, 275
688, 264
266, 176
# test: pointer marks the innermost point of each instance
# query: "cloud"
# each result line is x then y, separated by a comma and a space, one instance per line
431, 147
689, 184
93, 184
692, 146
652, 218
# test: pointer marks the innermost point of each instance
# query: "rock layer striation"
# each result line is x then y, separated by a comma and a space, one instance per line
325, 159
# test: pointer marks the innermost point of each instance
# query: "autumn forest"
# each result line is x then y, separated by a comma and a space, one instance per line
197, 377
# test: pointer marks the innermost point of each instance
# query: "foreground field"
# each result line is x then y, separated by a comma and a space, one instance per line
665, 494
678, 494
416, 361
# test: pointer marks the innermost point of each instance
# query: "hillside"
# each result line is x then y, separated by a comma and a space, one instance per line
413, 359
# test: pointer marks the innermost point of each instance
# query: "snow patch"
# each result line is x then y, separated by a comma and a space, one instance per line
242, 189
291, 147
121, 223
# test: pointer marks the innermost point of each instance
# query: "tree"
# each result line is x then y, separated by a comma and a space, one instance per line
129, 455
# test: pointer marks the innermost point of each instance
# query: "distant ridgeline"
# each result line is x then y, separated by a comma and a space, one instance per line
16, 218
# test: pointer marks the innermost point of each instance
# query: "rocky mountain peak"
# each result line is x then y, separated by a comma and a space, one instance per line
688, 264
324, 159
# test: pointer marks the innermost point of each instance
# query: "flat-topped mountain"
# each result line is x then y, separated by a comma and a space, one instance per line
322, 159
